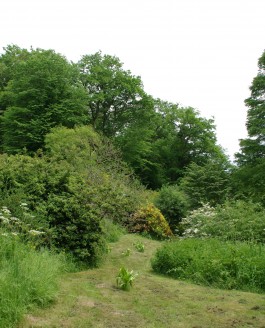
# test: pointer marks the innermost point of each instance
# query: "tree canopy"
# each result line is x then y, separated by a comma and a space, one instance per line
42, 90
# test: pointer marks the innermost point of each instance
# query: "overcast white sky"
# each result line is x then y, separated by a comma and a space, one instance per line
199, 53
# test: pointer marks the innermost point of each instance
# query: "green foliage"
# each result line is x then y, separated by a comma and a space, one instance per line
115, 192
25, 227
215, 263
173, 203
125, 279
253, 147
249, 179
149, 220
72, 190
237, 220
112, 231
139, 246
208, 183
43, 92
115, 95
127, 252
27, 278
75, 225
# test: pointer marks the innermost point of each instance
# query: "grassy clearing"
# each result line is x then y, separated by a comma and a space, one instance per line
91, 298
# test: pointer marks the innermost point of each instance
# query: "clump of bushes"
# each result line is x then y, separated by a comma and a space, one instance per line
173, 203
215, 263
234, 220
72, 188
150, 221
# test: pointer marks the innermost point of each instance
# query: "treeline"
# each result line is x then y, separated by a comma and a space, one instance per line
40, 89
166, 146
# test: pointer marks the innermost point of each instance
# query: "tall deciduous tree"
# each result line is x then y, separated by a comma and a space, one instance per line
185, 137
43, 91
116, 97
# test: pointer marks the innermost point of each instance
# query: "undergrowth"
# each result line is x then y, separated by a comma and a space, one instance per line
27, 278
213, 262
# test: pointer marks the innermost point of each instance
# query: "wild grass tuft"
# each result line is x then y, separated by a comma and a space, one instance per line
27, 278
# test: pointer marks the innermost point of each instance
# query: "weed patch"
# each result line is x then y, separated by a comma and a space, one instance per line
215, 263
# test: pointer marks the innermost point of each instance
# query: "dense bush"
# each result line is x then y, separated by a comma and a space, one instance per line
116, 193
71, 190
173, 203
236, 220
27, 277
150, 221
56, 197
213, 262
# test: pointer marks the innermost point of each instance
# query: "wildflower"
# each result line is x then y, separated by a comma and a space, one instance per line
13, 218
4, 219
5, 210
36, 232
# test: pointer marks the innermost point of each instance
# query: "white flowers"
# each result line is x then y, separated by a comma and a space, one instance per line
12, 226
194, 224
36, 232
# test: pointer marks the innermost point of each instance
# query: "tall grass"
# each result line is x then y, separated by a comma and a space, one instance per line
27, 278
213, 262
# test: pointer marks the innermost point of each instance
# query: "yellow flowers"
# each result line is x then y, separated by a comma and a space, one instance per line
151, 221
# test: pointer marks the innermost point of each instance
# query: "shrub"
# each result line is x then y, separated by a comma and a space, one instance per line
236, 220
76, 226
72, 190
27, 278
213, 262
173, 203
149, 220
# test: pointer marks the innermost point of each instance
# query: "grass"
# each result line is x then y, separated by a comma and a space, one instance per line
221, 264
91, 298
27, 278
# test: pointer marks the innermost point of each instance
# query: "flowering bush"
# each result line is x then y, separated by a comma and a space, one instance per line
21, 227
237, 220
149, 220
197, 222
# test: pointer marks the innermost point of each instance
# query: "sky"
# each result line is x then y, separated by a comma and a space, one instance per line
198, 53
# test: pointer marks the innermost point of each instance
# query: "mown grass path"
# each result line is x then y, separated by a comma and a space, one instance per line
91, 299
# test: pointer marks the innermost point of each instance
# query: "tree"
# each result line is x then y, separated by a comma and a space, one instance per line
253, 147
249, 178
115, 97
207, 183
43, 91
166, 140
184, 137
